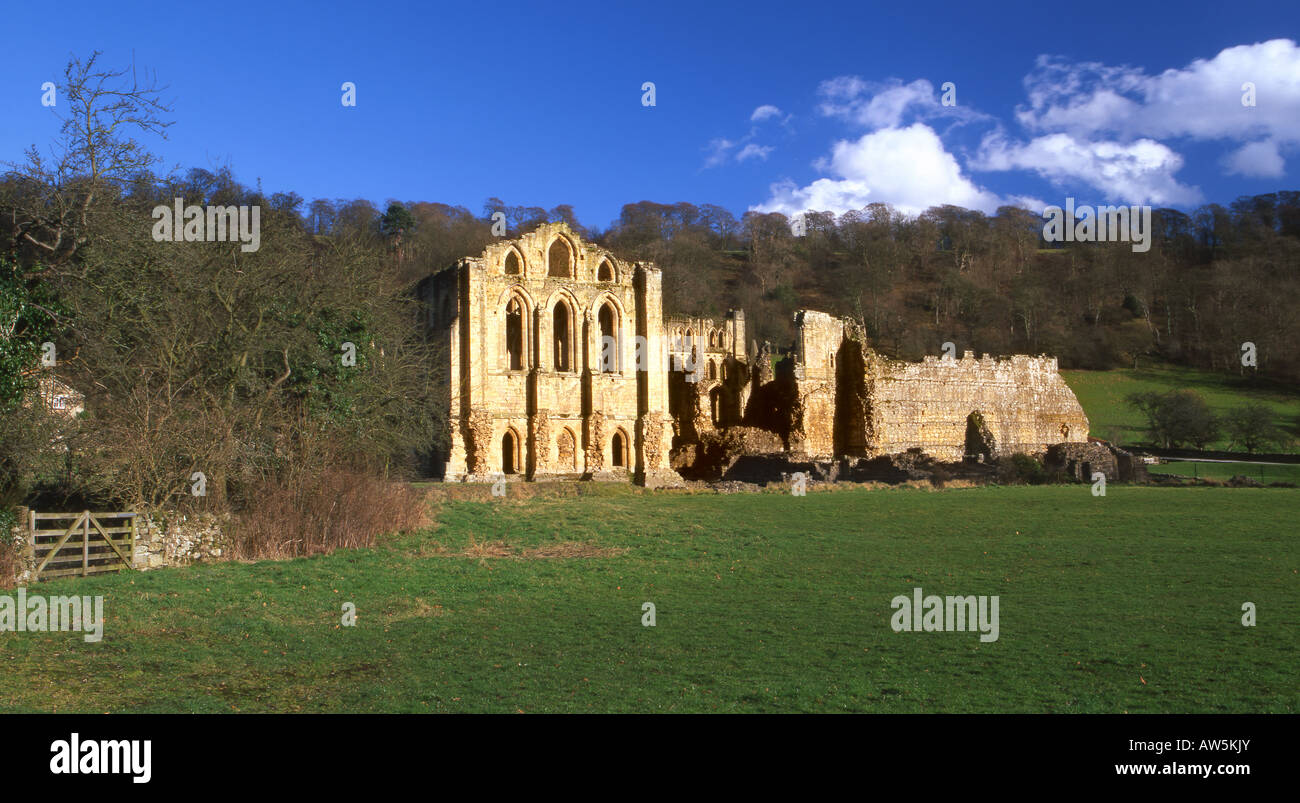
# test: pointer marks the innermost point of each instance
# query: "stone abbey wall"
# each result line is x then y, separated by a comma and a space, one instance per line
949, 408
559, 362
853, 401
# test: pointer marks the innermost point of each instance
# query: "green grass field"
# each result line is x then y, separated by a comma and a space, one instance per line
1264, 473
1102, 394
765, 602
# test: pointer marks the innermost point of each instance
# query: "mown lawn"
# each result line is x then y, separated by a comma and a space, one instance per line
1103, 394
765, 602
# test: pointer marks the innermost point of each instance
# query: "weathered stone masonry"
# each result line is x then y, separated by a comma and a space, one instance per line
530, 387
538, 339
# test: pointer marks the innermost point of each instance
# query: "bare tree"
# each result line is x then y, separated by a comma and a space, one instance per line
50, 200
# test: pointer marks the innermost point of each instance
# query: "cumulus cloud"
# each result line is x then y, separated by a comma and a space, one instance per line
752, 151
1086, 123
1256, 160
764, 112
1137, 172
908, 168
1201, 101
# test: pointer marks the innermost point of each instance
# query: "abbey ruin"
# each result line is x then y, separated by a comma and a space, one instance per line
559, 362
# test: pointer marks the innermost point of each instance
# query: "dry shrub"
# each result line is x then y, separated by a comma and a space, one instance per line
487, 549
323, 512
524, 492
574, 549
565, 549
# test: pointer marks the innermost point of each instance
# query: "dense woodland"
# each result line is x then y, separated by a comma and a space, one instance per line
1212, 280
203, 357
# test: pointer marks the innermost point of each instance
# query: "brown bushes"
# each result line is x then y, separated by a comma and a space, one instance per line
319, 513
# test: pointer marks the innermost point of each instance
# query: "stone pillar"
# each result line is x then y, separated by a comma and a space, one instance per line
595, 442
24, 536
458, 455
590, 343
539, 438
479, 425
540, 352
654, 426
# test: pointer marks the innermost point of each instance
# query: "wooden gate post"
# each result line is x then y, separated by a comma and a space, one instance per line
85, 546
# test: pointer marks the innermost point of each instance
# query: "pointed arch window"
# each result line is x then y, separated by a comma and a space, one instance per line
515, 339
562, 337
566, 446
609, 338
559, 260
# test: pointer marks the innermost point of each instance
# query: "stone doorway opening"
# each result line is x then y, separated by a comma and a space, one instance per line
618, 449
510, 453
981, 446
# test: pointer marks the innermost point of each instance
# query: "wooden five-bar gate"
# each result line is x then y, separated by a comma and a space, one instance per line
84, 547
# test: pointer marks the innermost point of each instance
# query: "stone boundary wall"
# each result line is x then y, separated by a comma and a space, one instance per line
176, 539
164, 539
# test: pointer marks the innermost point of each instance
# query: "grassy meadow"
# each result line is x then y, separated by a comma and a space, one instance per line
1102, 394
765, 602
1264, 473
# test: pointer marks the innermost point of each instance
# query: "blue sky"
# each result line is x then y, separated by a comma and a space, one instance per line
541, 104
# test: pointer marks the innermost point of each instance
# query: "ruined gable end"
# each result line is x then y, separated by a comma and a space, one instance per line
540, 357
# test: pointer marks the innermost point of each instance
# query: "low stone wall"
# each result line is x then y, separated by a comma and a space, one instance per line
177, 539
163, 539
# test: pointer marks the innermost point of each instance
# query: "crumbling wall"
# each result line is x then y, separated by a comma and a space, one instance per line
819, 339
1022, 401
1078, 461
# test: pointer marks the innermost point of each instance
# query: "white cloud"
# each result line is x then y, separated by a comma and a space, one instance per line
885, 105
1202, 100
719, 149
1138, 172
1256, 160
1088, 124
1030, 202
722, 150
906, 167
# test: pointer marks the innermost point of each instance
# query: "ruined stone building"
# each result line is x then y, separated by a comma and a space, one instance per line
559, 362
538, 336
